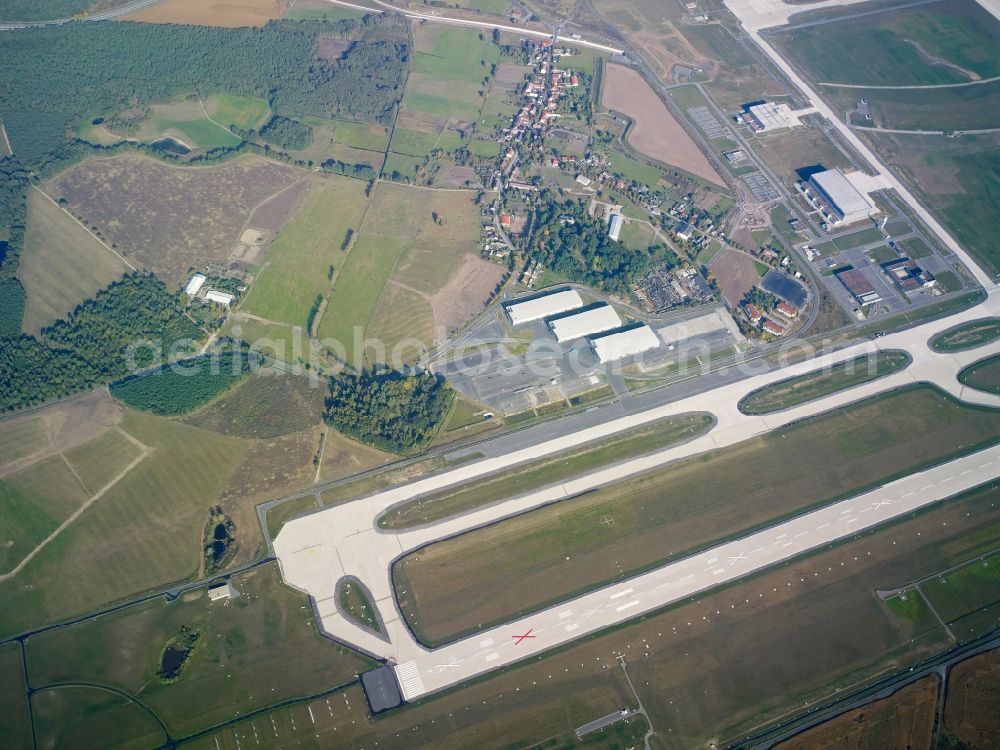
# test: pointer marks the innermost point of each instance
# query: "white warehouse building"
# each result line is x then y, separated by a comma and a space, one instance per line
837, 198
624, 343
585, 323
195, 284
615, 224
542, 307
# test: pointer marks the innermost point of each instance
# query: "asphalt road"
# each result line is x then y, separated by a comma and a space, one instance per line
107, 15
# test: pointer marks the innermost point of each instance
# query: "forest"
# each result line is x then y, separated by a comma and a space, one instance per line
389, 410
132, 324
61, 76
184, 385
582, 251
289, 134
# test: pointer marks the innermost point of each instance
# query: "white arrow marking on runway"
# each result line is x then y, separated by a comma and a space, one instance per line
439, 668
881, 504
593, 611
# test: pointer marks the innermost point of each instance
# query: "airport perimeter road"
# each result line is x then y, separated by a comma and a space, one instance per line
431, 671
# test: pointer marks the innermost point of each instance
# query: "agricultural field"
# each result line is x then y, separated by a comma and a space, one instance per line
904, 719
297, 269
309, 10
969, 707
983, 375
254, 650
445, 95
414, 268
199, 211
808, 387
544, 472
655, 133
213, 12
267, 404
969, 335
518, 565
710, 670
62, 264
105, 554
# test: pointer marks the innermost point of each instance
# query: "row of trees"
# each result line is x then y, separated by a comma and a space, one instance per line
55, 77
569, 242
132, 324
389, 410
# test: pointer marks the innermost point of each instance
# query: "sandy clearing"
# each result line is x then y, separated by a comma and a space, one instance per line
656, 133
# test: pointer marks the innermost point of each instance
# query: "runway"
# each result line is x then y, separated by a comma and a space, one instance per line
436, 670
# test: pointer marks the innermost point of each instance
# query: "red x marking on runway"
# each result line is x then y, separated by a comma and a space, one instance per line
519, 638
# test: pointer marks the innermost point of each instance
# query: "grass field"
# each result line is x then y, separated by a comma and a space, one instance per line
89, 717
254, 650
280, 514
22, 438
489, 575
900, 47
356, 294
403, 321
969, 335
547, 471
62, 264
710, 670
164, 498
965, 590
298, 263
320, 9
245, 112
983, 375
14, 726
808, 387
267, 404
354, 602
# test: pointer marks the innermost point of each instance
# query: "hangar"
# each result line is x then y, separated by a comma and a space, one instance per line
625, 342
543, 306
833, 194
576, 325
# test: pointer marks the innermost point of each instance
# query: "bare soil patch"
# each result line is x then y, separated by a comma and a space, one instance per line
167, 218
67, 424
228, 13
465, 293
735, 273
656, 133
903, 720
333, 50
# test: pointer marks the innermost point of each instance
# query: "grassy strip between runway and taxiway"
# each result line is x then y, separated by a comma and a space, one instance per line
983, 375
819, 383
969, 335
519, 565
537, 474
353, 600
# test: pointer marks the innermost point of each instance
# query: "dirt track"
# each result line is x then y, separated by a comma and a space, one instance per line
656, 133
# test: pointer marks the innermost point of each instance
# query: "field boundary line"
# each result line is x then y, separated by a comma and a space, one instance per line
121, 257
216, 122
145, 451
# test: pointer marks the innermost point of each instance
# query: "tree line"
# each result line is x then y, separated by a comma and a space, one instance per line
389, 410
130, 325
